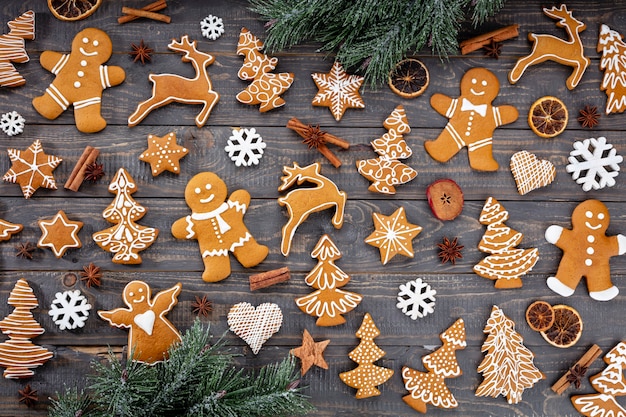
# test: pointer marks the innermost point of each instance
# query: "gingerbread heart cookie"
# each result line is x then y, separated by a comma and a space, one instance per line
531, 172
255, 325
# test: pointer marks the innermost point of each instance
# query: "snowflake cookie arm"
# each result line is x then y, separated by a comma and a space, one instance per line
444, 105
505, 114
53, 61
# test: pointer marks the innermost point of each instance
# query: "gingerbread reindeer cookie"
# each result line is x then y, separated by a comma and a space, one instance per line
151, 334
586, 252
473, 120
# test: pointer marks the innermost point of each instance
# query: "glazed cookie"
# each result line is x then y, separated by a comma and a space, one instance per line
586, 252
59, 234
8, 229
338, 90
531, 172
81, 76
32, 169
393, 235
12, 49
163, 154
613, 49
473, 120
255, 325
216, 222
151, 334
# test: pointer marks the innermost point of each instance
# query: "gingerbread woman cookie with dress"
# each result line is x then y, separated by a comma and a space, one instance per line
80, 79
217, 224
586, 252
473, 120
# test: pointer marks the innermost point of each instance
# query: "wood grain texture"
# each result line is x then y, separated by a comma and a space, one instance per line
460, 293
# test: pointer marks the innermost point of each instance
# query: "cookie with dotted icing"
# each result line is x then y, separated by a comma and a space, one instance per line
163, 154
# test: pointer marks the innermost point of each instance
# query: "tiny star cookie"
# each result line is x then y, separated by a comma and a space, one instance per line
311, 353
60, 234
338, 90
212, 27
12, 123
245, 147
255, 325
393, 235
163, 154
594, 163
32, 169
8, 229
69, 309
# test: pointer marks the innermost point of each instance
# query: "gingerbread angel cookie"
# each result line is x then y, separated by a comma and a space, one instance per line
217, 224
81, 76
586, 252
473, 120
151, 334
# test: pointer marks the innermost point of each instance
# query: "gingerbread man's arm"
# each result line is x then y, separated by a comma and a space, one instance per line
442, 103
557, 235
240, 198
112, 75
180, 229
507, 114
621, 244
50, 59
165, 300
120, 317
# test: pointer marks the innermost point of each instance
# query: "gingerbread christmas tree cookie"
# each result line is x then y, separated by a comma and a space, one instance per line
12, 48
60, 234
8, 229
393, 235
163, 154
338, 90
32, 169
613, 63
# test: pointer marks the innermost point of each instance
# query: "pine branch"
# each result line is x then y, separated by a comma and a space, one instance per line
72, 403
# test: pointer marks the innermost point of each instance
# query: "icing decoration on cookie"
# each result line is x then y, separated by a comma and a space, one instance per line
18, 354
32, 169
245, 147
393, 235
594, 163
255, 325
416, 299
216, 222
12, 123
171, 88
151, 334
505, 264
69, 310
81, 76
530, 172
126, 238
586, 252
266, 88
507, 367
328, 303
60, 234
473, 120
366, 376
386, 171
163, 154
212, 27
304, 201
310, 353
550, 48
430, 387
8, 229
613, 63
338, 90
12, 48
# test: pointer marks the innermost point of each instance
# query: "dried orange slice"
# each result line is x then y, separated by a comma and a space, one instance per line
540, 316
409, 78
71, 10
548, 117
566, 329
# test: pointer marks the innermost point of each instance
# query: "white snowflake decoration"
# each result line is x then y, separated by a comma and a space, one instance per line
12, 123
212, 27
245, 147
69, 309
416, 299
594, 163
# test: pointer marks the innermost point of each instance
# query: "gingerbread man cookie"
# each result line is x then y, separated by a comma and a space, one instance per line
586, 252
217, 224
81, 76
151, 334
473, 120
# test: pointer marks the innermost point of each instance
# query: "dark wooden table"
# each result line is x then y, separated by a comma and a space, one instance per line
460, 293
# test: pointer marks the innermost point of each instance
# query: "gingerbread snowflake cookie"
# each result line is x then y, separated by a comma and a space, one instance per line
212, 27
393, 235
416, 299
255, 325
338, 90
594, 163
32, 169
163, 154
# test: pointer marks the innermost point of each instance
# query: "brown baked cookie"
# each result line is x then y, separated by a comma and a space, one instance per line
338, 90
32, 169
8, 229
59, 234
163, 154
12, 49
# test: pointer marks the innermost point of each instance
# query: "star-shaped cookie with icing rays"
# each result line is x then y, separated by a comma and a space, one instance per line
163, 154
32, 169
59, 234
338, 90
311, 353
393, 235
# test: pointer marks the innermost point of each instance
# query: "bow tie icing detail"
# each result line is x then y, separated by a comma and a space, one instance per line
468, 105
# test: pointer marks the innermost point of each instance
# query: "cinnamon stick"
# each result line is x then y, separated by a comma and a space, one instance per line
269, 278
316, 138
152, 7
78, 173
587, 359
143, 13
498, 35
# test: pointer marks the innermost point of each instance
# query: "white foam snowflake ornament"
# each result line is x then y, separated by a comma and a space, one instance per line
594, 163
212, 27
69, 309
416, 299
12, 123
245, 147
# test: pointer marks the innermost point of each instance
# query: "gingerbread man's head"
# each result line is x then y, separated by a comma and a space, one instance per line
92, 45
136, 293
479, 85
205, 192
591, 216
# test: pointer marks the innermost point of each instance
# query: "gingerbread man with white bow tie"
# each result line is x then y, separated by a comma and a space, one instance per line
472, 120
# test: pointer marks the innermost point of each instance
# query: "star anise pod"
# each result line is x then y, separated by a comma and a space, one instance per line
141, 52
202, 306
28, 396
314, 137
91, 275
25, 250
450, 250
93, 172
589, 117
576, 374
493, 49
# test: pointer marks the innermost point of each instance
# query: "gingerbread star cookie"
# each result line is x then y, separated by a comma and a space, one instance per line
163, 154
8, 229
311, 352
338, 90
60, 234
393, 235
32, 169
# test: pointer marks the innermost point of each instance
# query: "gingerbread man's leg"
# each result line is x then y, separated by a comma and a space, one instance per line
216, 267
599, 284
87, 115
480, 155
251, 253
51, 104
446, 145
567, 277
